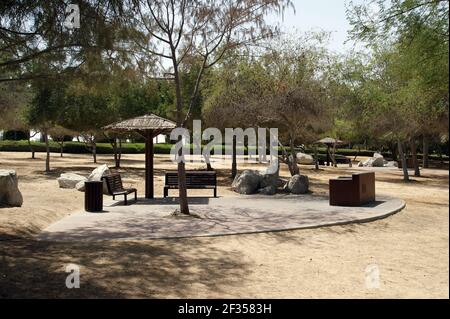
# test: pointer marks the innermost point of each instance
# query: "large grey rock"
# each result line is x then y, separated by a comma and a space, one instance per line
270, 177
378, 162
96, 175
372, 162
268, 190
303, 158
248, 182
69, 180
298, 184
9, 188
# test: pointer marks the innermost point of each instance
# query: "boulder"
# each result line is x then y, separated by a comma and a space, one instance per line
303, 158
377, 162
391, 164
270, 176
298, 184
96, 175
248, 182
372, 162
9, 188
80, 186
69, 180
377, 155
268, 190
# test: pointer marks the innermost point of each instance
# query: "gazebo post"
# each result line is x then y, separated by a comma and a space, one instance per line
328, 154
149, 193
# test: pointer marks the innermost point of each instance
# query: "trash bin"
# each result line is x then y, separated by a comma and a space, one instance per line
93, 196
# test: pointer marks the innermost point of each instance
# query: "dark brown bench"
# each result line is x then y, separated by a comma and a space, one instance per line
354, 190
115, 187
194, 180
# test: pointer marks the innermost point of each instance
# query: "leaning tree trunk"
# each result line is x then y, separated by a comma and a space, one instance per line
403, 159
414, 157
47, 149
233, 159
425, 153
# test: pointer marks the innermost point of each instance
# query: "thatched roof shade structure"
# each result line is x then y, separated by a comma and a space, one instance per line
329, 142
149, 126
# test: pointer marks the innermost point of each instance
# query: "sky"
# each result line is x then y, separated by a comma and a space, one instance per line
319, 15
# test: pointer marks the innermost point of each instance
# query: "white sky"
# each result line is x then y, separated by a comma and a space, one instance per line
319, 15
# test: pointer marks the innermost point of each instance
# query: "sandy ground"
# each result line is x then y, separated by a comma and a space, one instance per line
410, 249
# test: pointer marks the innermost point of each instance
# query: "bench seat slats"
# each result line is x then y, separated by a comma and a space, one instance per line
115, 187
194, 180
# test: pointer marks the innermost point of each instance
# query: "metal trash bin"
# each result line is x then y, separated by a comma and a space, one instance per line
93, 196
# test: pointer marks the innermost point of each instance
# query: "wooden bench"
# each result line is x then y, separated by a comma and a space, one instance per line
194, 180
115, 187
354, 190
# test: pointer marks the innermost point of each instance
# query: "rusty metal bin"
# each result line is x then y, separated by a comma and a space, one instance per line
93, 196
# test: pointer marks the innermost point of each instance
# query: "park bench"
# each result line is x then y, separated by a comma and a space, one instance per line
115, 187
194, 180
354, 190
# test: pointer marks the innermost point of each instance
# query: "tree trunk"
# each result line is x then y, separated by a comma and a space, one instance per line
357, 152
47, 149
316, 158
425, 152
116, 150
61, 148
184, 206
333, 157
414, 157
94, 150
403, 159
233, 159
31, 147
120, 150
292, 160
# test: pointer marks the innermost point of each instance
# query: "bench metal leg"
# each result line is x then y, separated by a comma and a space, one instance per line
126, 202
114, 197
166, 191
215, 192
135, 195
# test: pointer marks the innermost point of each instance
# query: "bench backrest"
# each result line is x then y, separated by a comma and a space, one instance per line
193, 178
113, 182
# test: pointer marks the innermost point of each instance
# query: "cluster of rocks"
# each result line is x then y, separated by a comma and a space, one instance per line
377, 160
71, 180
10, 194
304, 159
254, 182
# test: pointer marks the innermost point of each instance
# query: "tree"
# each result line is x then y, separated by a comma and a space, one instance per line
415, 71
176, 31
34, 30
44, 111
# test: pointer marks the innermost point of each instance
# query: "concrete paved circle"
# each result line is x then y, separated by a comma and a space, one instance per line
149, 219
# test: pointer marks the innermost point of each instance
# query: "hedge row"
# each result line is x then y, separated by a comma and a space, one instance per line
139, 148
